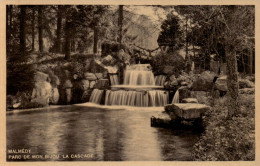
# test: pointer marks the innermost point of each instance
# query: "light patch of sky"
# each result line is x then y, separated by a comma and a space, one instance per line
155, 14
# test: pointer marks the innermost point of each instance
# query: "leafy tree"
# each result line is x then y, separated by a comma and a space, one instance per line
171, 34
40, 27
19, 72
225, 29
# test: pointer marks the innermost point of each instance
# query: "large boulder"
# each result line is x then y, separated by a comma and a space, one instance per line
203, 82
108, 60
173, 80
42, 93
221, 83
67, 84
245, 83
68, 95
189, 100
66, 92
160, 119
40, 76
99, 75
85, 84
92, 84
187, 111
90, 76
55, 82
55, 96
102, 83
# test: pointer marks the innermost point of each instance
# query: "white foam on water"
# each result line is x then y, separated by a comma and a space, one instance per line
121, 107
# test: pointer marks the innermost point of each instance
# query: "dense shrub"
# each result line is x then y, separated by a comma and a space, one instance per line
111, 48
228, 139
174, 60
19, 77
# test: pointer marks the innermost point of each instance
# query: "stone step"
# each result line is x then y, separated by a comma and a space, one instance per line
187, 111
161, 119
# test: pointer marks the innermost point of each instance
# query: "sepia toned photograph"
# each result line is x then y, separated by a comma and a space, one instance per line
130, 83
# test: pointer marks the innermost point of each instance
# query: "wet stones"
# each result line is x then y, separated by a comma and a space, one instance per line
42, 90
221, 83
187, 111
102, 84
161, 119
87, 86
90, 76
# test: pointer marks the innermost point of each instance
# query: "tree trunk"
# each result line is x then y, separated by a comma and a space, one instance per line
95, 40
59, 26
232, 80
67, 40
120, 24
10, 28
8, 35
244, 65
40, 28
250, 65
33, 31
186, 40
22, 30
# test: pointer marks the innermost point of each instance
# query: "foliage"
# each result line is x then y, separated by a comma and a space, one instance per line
171, 34
227, 139
160, 61
111, 48
212, 27
19, 71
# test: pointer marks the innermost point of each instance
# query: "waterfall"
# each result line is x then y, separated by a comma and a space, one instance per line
159, 80
114, 79
138, 89
150, 98
139, 74
96, 96
176, 97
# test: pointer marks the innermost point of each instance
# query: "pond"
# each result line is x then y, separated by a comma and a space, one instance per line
96, 134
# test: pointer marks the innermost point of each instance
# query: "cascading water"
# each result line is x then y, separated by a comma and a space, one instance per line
150, 98
139, 74
160, 80
113, 79
139, 89
96, 96
176, 97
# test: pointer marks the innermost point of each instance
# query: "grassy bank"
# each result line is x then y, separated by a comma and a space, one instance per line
228, 139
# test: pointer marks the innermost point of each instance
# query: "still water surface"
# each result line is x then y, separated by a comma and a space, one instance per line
107, 135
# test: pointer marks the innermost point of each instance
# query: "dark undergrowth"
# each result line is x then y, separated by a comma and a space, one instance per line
228, 139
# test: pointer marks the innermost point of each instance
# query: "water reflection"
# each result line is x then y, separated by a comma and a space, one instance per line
110, 135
